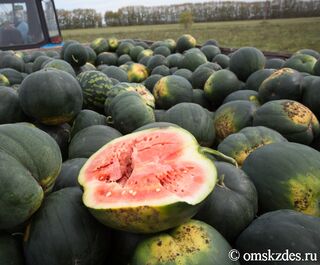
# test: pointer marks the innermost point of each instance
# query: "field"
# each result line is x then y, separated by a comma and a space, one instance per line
286, 35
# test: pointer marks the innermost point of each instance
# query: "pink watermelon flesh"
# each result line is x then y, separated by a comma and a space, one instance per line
157, 167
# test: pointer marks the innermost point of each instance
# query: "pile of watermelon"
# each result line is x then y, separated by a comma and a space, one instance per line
131, 152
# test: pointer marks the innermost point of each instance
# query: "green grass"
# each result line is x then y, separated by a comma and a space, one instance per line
280, 35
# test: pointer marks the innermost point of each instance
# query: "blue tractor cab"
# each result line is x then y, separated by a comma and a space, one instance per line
28, 24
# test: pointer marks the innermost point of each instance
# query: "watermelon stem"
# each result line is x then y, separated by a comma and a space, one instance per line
220, 155
109, 120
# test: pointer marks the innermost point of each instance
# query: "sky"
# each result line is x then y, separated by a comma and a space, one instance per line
106, 5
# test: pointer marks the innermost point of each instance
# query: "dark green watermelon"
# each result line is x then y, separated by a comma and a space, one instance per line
63, 232
233, 204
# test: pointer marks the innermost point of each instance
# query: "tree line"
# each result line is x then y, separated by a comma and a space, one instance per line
201, 12
79, 18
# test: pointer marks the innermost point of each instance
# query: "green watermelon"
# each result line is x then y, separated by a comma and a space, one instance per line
193, 242
287, 176
95, 87
30, 162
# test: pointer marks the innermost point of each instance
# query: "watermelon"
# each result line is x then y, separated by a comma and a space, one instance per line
174, 59
155, 61
11, 250
249, 95
287, 176
63, 232
85, 68
254, 80
123, 87
60, 133
222, 59
124, 243
301, 62
107, 58
246, 61
171, 90
88, 140
51, 96
161, 70
232, 117
10, 110
311, 52
12, 75
147, 181
95, 86
194, 119
163, 50
210, 51
310, 88
185, 42
284, 231
199, 97
240, 145
30, 161
233, 204
293, 120
200, 76
12, 61
116, 73
113, 43
137, 73
92, 56
68, 176
124, 48
37, 64
219, 85
144, 53
76, 55
134, 52
36, 54
60, 65
4, 81
123, 59
316, 68
99, 45
274, 63
193, 242
129, 111
185, 73
282, 84
87, 118
192, 59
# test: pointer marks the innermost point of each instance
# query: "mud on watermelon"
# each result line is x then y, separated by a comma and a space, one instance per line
148, 181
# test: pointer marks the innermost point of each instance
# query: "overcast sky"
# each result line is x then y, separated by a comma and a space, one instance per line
104, 5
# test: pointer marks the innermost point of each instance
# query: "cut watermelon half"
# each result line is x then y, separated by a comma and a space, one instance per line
147, 181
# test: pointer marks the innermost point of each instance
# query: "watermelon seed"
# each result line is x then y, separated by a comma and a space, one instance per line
108, 193
158, 190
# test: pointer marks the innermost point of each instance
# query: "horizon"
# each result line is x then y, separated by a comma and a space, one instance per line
102, 7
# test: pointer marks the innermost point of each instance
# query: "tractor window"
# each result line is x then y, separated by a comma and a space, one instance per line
19, 24
50, 17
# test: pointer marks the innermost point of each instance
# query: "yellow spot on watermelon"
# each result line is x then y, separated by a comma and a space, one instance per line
298, 113
303, 195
